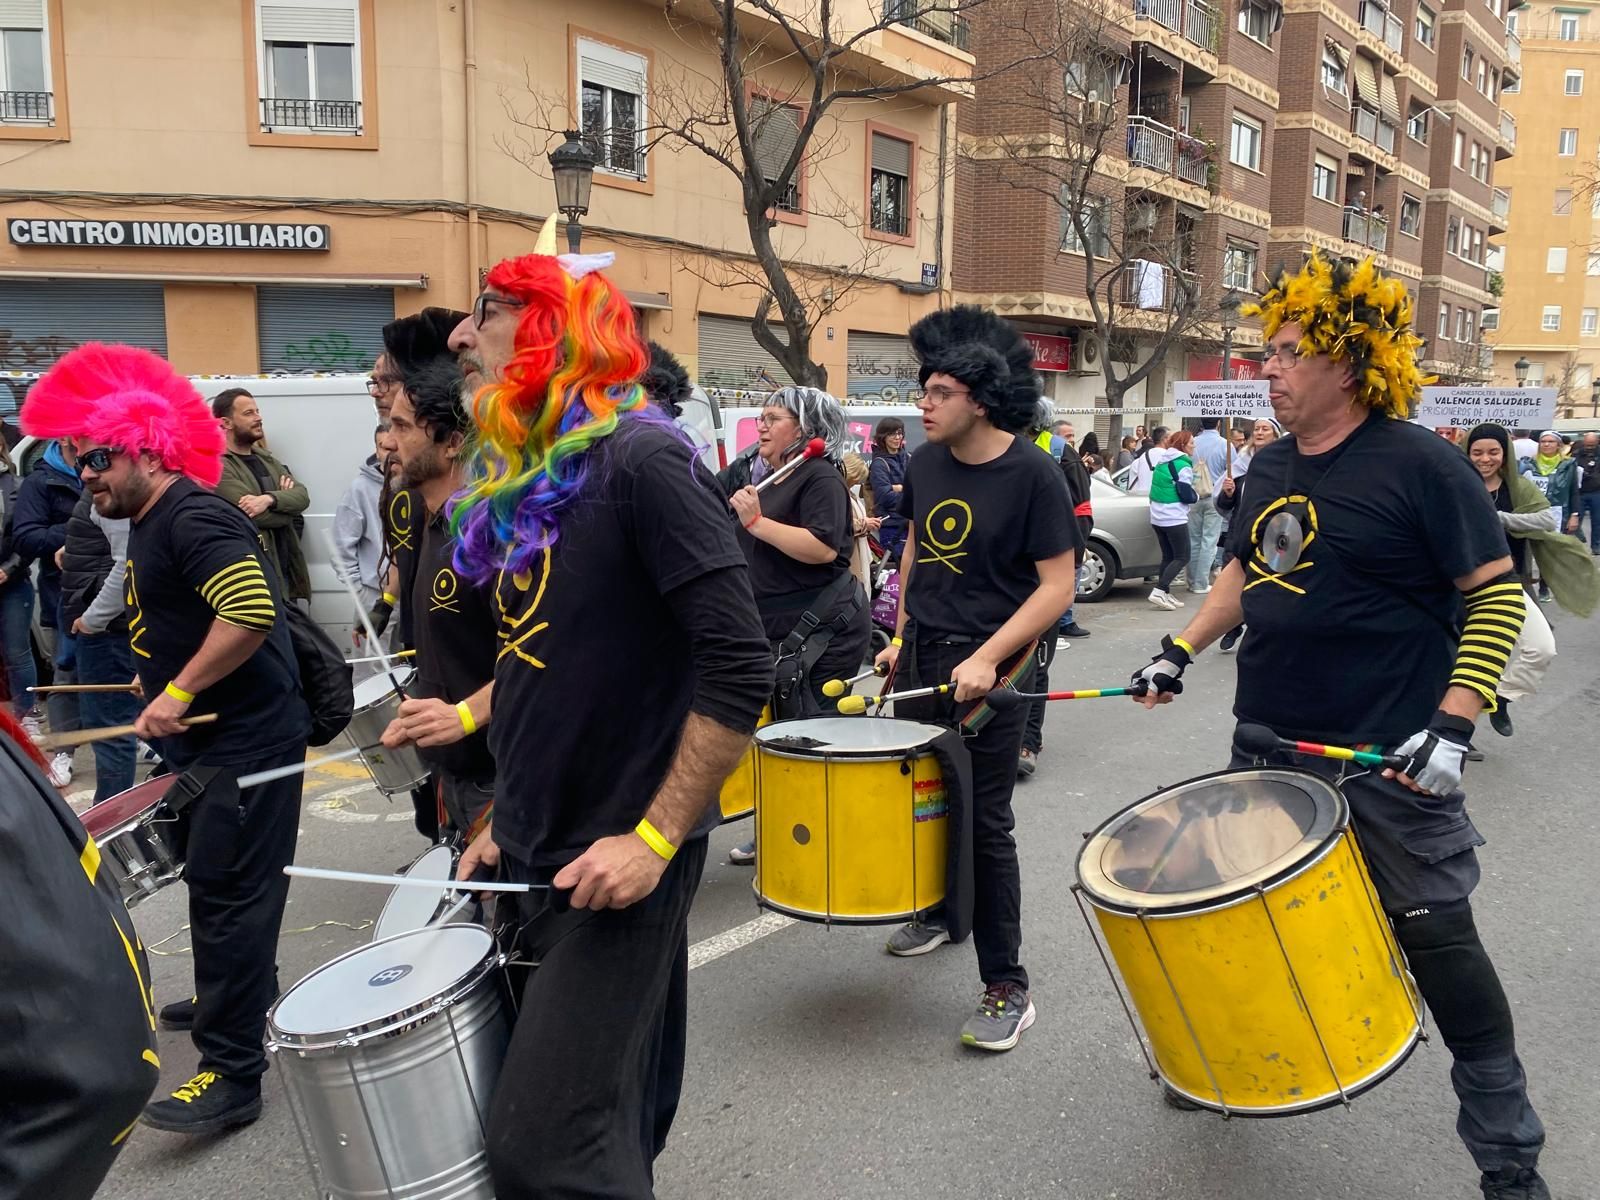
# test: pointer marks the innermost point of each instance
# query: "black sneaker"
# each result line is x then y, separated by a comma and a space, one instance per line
1500, 718
1073, 630
1003, 1013
179, 1015
1513, 1183
207, 1104
914, 938
1231, 639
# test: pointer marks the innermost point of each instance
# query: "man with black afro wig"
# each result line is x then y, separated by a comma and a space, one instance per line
412, 342
665, 381
990, 564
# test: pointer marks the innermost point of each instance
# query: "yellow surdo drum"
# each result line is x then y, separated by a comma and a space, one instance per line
852, 824
739, 789
1242, 918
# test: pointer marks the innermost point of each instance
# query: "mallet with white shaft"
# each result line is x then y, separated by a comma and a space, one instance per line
852, 705
835, 688
815, 448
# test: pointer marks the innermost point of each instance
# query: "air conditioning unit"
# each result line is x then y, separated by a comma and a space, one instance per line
1091, 352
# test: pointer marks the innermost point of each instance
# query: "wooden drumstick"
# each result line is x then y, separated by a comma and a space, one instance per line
82, 737
85, 687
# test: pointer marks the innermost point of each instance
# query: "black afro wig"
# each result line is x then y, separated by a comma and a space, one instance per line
986, 353
414, 341
665, 381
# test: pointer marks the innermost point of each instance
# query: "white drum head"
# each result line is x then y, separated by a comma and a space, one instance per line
374, 688
374, 984
861, 736
411, 908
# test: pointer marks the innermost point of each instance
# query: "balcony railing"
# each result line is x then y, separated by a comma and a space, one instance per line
1151, 144
1200, 24
1368, 125
1500, 204
1194, 162
947, 27
319, 116
1508, 129
1163, 12
1155, 287
1394, 32
1513, 48
1372, 18
30, 107
1365, 228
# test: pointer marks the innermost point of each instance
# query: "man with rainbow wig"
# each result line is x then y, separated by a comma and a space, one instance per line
1371, 569
631, 671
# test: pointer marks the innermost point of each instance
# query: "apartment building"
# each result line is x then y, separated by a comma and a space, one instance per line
1550, 315
1353, 126
247, 186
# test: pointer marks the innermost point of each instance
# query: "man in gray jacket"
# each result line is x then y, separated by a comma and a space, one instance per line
358, 530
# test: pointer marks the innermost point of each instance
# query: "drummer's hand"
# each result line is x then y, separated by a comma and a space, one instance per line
1161, 681
430, 722
888, 658
162, 717
395, 735
483, 855
613, 873
746, 503
974, 678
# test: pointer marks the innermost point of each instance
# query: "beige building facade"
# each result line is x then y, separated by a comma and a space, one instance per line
250, 187
1550, 314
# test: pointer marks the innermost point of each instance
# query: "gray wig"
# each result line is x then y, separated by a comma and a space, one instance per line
819, 416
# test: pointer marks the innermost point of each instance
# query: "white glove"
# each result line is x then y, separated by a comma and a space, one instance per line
1436, 755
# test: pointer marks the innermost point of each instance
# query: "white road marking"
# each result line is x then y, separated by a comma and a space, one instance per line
713, 948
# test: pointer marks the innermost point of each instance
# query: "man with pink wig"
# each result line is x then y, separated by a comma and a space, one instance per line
631, 670
208, 636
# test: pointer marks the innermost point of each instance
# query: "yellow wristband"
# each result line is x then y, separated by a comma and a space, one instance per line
465, 714
390, 599
652, 838
897, 641
178, 694
1184, 646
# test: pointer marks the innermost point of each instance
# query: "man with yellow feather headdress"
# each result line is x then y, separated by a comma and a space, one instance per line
1371, 569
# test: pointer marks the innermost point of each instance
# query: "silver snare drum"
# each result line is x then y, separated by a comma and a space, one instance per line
378, 703
390, 1055
135, 833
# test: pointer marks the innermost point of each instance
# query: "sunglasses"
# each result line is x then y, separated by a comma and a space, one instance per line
98, 461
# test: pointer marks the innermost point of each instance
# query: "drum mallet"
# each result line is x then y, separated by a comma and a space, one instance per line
815, 448
853, 705
311, 764
450, 885
1002, 699
835, 688
381, 657
1261, 741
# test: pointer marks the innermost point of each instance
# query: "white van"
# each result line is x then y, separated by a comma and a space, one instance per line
738, 427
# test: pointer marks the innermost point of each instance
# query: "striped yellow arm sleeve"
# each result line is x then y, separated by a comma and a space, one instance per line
240, 596
1495, 614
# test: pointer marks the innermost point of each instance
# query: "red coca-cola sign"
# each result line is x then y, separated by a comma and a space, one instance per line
1203, 366
1050, 353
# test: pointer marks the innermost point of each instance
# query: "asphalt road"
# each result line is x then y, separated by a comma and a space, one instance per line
820, 1067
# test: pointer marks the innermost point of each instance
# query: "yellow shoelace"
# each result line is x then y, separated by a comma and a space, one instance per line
195, 1088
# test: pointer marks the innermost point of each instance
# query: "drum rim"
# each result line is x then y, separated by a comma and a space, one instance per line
444, 890
401, 671
141, 816
1110, 897
869, 754
351, 1037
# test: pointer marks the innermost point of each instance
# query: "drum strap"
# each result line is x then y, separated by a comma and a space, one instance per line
804, 645
189, 787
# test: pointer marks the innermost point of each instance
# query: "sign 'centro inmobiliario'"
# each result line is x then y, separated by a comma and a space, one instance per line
1244, 399
166, 235
1464, 407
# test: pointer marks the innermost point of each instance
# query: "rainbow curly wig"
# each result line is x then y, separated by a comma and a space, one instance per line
131, 399
572, 381
1355, 313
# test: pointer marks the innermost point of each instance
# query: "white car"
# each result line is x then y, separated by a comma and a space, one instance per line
1122, 545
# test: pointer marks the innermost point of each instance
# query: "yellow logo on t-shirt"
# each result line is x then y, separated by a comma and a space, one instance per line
948, 526
136, 625
400, 521
518, 597
443, 596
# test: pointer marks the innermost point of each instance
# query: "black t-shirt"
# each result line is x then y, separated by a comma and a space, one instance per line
1588, 463
979, 533
190, 557
1354, 643
814, 498
595, 676
456, 627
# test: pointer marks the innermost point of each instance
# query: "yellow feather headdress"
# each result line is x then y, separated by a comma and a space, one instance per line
1351, 312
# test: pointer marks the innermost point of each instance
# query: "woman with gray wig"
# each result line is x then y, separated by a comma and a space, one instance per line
797, 536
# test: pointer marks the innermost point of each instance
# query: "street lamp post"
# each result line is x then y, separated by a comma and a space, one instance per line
1594, 398
572, 163
1521, 367
1228, 310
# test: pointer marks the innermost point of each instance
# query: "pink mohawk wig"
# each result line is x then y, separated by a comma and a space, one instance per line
130, 399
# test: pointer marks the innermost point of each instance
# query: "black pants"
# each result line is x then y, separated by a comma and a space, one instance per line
238, 846
1033, 732
997, 877
1174, 553
1421, 851
595, 1068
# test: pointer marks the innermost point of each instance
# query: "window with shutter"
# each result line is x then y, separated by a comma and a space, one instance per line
890, 184
614, 86
310, 68
775, 128
26, 96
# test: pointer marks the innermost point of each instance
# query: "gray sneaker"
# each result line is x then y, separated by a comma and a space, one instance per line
1003, 1013
916, 938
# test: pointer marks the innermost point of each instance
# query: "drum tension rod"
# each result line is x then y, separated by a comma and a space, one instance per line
1138, 1035
1305, 1002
